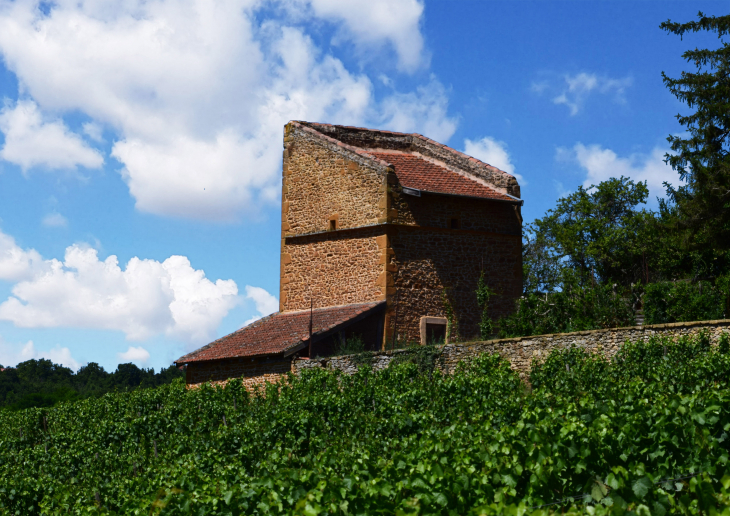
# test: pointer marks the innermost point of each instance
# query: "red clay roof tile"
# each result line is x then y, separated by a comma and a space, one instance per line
420, 174
277, 333
314, 125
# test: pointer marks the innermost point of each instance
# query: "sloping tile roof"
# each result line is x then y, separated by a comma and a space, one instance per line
416, 172
317, 126
278, 333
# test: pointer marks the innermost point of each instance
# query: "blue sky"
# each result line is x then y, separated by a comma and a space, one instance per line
140, 141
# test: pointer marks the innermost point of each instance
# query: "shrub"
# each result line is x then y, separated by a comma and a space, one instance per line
350, 346
572, 309
668, 302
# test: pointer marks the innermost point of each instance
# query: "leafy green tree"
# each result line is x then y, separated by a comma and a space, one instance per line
668, 302
573, 308
702, 159
92, 379
597, 233
41, 383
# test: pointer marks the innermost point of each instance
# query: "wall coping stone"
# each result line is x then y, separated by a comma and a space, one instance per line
689, 324
305, 364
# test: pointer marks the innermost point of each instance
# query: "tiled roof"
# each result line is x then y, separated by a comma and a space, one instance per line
278, 333
317, 126
420, 174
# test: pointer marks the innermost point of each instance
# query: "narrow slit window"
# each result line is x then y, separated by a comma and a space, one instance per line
454, 223
333, 224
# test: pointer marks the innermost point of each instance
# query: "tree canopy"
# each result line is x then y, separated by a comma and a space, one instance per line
596, 234
41, 383
589, 261
702, 158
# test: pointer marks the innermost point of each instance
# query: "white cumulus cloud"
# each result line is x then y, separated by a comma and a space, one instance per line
601, 164
143, 299
194, 94
93, 131
12, 354
32, 142
138, 355
265, 303
17, 264
494, 153
423, 111
579, 86
370, 22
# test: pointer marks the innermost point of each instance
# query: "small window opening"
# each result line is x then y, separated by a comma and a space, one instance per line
333, 224
454, 223
435, 333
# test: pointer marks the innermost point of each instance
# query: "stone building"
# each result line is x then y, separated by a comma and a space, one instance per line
383, 235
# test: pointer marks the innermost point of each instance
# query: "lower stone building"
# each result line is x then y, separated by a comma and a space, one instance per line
263, 351
384, 236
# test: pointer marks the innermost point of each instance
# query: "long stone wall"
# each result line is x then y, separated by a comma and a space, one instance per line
252, 371
520, 351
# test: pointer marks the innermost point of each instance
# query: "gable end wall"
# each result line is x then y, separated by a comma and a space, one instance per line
323, 180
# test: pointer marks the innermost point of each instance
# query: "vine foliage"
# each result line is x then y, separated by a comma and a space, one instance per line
643, 433
484, 294
452, 323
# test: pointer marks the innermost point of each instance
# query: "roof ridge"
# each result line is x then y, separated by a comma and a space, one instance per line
461, 154
434, 176
414, 135
440, 164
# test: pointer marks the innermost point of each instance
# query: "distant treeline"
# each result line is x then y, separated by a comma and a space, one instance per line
41, 383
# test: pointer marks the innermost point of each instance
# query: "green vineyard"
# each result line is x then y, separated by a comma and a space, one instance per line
644, 433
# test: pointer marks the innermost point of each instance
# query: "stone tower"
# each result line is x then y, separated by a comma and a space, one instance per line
372, 215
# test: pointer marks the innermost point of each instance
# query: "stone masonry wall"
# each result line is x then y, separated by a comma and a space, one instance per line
327, 180
253, 371
521, 351
427, 261
436, 211
323, 181
336, 268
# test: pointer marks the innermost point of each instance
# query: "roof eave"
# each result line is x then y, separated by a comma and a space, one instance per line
316, 337
513, 200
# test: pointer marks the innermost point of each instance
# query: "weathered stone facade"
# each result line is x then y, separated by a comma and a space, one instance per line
253, 371
351, 233
379, 231
334, 268
324, 181
435, 266
521, 351
437, 211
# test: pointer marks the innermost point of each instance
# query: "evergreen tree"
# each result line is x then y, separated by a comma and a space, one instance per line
702, 159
